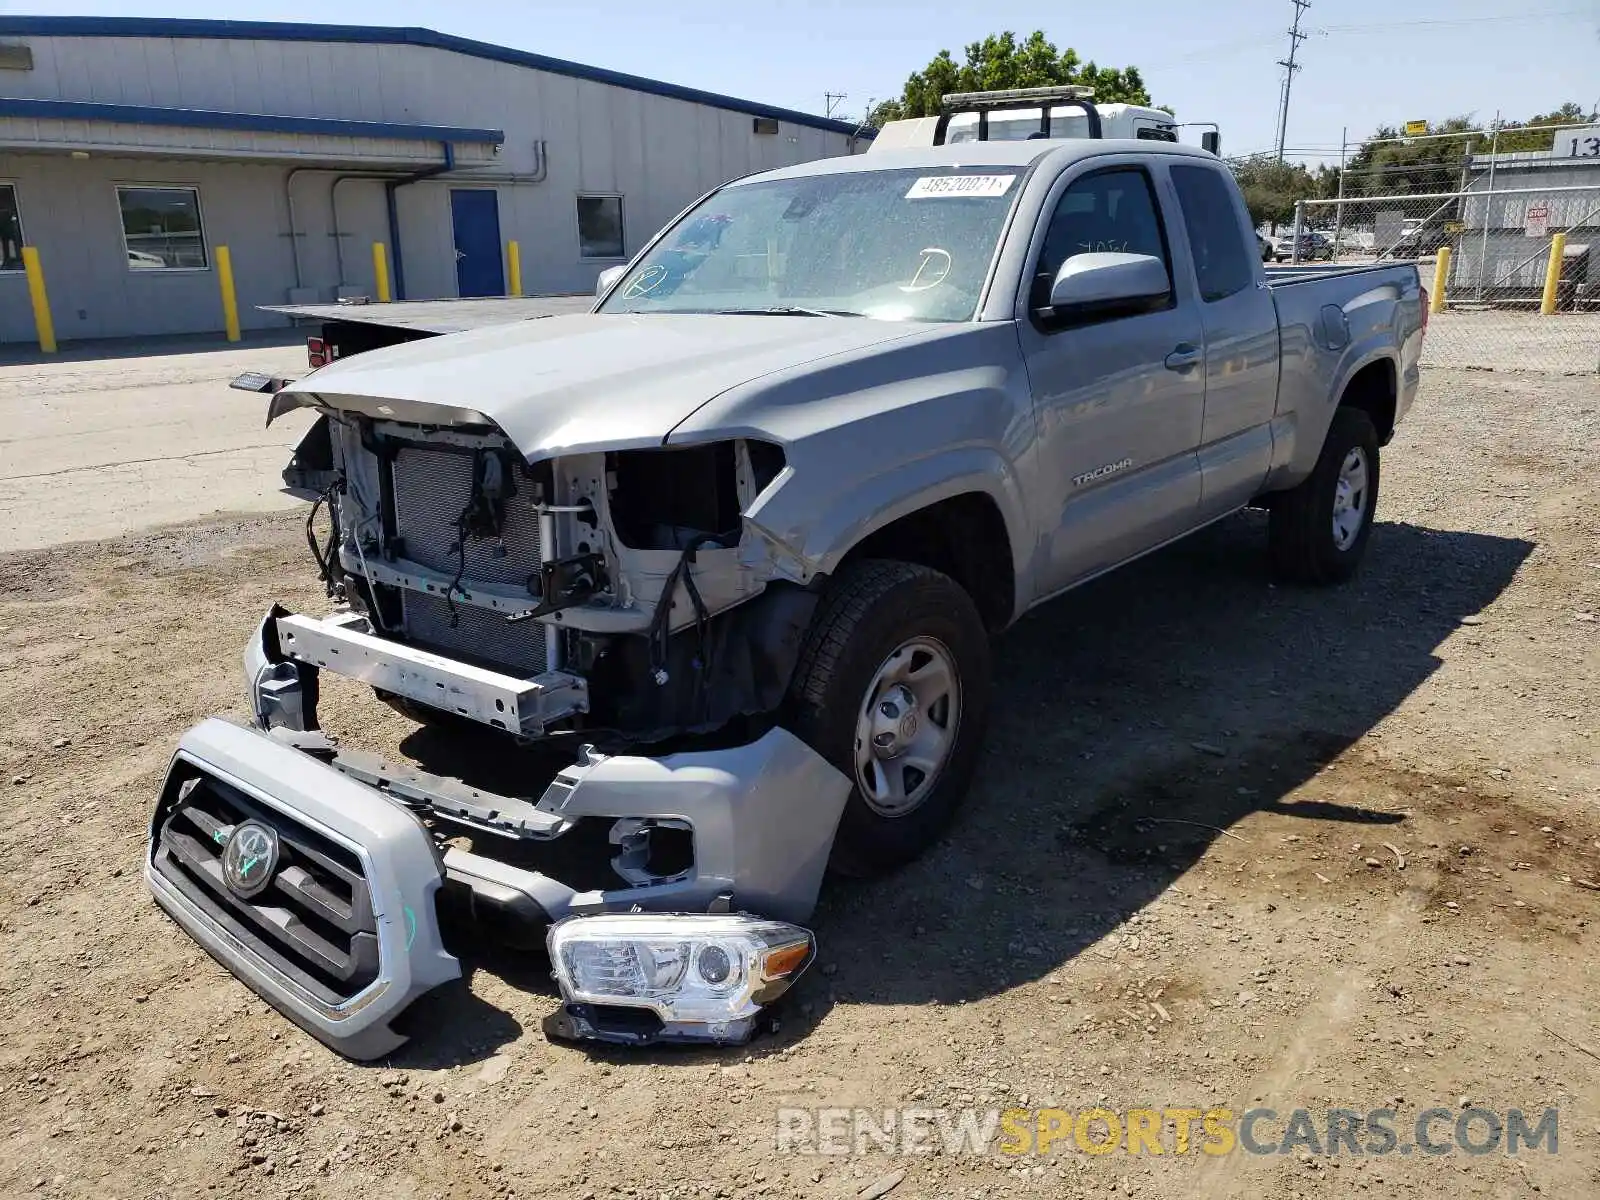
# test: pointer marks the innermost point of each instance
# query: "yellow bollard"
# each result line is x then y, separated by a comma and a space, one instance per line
514, 268
41, 301
1552, 274
230, 302
1441, 278
380, 271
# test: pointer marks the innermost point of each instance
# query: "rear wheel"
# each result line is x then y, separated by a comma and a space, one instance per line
892, 689
1318, 531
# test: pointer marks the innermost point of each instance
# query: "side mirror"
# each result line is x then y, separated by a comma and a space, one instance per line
1109, 281
608, 277
1211, 142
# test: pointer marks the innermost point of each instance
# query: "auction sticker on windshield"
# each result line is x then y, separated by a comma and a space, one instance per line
932, 186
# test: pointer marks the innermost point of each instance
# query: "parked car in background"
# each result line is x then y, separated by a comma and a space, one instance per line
1307, 246
1267, 247
1418, 240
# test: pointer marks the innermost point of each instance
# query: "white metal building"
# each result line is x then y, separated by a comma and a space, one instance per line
130, 148
1505, 232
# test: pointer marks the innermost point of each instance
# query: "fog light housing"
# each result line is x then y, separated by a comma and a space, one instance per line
657, 977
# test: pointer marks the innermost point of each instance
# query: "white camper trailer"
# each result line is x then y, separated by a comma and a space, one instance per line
1018, 114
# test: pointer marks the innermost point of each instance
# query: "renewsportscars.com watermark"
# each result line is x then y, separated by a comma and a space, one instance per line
1172, 1131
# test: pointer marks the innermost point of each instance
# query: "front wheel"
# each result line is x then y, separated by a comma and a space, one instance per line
1318, 531
892, 688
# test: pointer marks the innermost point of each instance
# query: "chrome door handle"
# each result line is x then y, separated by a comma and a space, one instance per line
1183, 357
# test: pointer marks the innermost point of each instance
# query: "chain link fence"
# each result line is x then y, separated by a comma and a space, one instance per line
1511, 262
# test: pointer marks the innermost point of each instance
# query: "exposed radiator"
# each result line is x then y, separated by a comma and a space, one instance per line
479, 633
431, 488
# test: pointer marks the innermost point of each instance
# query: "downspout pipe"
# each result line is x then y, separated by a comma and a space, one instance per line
333, 206
392, 186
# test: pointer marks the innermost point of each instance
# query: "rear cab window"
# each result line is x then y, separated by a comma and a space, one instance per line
1224, 264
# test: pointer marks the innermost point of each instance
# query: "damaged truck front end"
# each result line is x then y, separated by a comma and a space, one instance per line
612, 606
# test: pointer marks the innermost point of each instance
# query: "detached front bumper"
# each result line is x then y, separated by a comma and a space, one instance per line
343, 933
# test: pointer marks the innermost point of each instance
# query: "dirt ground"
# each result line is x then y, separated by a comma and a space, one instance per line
1179, 882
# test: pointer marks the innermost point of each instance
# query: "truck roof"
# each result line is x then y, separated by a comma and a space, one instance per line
980, 154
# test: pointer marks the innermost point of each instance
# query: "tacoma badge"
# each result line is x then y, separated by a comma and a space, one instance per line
1101, 472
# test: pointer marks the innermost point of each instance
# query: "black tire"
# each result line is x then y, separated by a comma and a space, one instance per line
1300, 535
872, 608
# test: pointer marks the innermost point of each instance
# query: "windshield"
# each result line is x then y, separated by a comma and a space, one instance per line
903, 245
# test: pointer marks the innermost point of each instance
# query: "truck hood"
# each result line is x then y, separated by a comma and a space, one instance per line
566, 385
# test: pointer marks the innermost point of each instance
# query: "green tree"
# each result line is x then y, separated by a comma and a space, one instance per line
1387, 163
1272, 188
1000, 61
1535, 139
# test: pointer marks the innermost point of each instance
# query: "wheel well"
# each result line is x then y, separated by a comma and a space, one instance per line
1372, 390
965, 538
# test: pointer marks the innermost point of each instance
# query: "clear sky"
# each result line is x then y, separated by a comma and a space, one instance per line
1367, 62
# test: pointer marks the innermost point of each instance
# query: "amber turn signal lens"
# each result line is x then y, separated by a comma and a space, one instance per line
786, 960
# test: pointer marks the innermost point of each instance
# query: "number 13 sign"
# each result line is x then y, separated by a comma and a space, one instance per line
1577, 143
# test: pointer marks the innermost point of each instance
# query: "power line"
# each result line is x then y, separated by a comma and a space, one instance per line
1289, 68
1432, 22
1218, 51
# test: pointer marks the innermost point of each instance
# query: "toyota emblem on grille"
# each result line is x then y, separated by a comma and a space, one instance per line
249, 859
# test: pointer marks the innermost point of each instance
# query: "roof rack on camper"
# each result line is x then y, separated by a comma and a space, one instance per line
1018, 114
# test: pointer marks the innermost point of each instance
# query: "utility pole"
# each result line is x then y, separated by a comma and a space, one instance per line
833, 100
1290, 66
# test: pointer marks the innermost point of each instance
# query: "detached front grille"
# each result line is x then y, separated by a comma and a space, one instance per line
312, 920
431, 489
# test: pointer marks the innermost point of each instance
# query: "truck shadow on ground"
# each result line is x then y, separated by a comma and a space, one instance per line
1134, 721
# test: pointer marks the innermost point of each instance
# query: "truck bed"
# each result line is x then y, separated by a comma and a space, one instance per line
439, 316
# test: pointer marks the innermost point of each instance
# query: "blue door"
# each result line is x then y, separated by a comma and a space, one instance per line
475, 221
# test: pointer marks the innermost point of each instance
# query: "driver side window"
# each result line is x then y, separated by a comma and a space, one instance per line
1112, 210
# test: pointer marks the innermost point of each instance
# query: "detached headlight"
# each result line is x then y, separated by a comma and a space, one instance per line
646, 977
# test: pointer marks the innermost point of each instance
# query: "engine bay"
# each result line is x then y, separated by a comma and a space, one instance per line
622, 581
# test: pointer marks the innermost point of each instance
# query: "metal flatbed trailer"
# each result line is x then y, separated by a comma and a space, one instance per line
439, 316
354, 327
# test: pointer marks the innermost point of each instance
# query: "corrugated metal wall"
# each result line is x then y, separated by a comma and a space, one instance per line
69, 210
1508, 258
1568, 209
658, 153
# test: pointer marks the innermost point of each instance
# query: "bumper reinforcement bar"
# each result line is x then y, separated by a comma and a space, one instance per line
345, 645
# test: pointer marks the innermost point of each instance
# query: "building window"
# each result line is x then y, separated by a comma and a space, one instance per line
11, 242
161, 228
600, 227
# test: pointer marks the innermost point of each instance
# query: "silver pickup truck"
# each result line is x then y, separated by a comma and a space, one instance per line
733, 545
